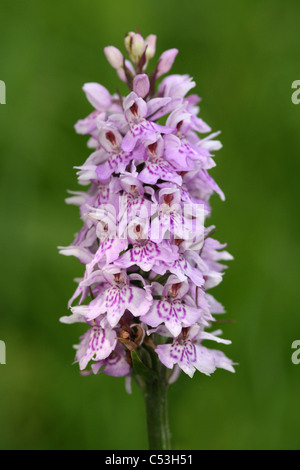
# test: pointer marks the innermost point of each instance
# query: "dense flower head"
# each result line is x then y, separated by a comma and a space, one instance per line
149, 258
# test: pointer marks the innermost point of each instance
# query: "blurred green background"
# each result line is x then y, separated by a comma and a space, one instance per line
244, 56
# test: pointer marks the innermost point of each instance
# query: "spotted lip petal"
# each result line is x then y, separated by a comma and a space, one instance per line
96, 344
188, 356
175, 315
115, 300
140, 130
115, 365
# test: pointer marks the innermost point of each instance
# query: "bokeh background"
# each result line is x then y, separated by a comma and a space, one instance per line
244, 56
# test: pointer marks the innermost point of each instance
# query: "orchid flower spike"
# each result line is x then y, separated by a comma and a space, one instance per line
149, 257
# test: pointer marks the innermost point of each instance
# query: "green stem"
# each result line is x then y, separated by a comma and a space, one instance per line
152, 378
157, 414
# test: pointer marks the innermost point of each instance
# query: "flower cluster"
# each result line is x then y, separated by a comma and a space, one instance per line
149, 259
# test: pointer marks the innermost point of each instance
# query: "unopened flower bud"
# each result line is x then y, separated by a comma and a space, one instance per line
135, 46
114, 57
166, 61
138, 45
127, 41
150, 42
141, 85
